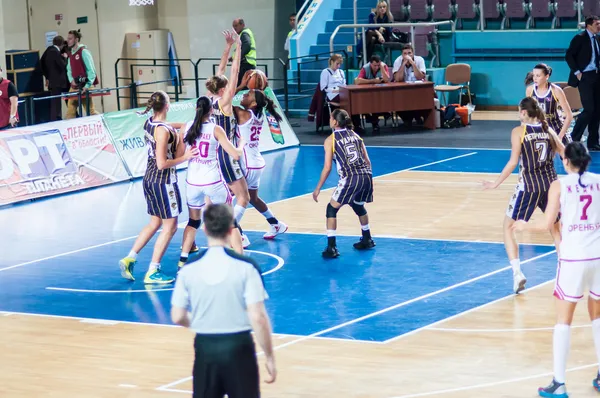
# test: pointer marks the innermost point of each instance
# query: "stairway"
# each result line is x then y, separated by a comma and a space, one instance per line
309, 70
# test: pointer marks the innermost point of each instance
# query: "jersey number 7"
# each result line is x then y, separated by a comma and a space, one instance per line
588, 201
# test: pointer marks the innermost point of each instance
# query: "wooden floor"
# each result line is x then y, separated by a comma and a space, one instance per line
500, 350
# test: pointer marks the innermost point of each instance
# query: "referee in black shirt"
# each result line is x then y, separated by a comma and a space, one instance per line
224, 294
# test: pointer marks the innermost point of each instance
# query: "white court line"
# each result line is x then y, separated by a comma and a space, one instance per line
280, 263
492, 384
270, 203
374, 314
468, 311
483, 330
426, 147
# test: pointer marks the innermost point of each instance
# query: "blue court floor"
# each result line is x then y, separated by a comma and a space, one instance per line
59, 257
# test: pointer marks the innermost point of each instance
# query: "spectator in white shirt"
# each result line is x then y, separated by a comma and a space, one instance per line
409, 67
333, 77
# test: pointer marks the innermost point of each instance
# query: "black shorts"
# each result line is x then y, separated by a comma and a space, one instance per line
225, 364
354, 188
523, 203
230, 168
163, 200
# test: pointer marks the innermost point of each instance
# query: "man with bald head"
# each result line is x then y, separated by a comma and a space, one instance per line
248, 58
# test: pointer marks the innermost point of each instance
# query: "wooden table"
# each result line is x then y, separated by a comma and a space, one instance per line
390, 97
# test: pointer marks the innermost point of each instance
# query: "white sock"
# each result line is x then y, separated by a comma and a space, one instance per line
516, 265
268, 214
154, 266
132, 255
561, 345
238, 213
365, 227
184, 255
596, 332
330, 232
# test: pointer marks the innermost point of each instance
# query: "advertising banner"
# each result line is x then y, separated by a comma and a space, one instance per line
127, 131
38, 164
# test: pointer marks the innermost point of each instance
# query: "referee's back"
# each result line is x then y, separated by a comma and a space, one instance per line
224, 294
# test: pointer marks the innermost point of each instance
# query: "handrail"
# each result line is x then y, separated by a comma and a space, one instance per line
386, 25
355, 7
299, 14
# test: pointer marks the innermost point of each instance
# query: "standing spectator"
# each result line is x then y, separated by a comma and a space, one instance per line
224, 294
583, 58
377, 36
248, 49
80, 72
9, 101
54, 68
292, 21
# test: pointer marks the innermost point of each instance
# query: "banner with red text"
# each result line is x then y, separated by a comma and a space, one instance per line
52, 158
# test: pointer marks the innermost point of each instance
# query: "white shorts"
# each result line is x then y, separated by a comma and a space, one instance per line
218, 193
253, 178
573, 277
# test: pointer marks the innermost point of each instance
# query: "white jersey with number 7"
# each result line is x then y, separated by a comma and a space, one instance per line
580, 217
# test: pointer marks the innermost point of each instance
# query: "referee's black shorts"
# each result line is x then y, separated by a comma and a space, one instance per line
225, 364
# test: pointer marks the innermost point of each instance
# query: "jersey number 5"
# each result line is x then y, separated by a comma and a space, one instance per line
542, 149
351, 152
588, 201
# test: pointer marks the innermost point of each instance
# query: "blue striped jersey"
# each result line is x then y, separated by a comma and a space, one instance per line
536, 171
153, 174
226, 122
549, 104
347, 153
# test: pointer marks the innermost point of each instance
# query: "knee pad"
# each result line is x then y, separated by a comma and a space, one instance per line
359, 209
331, 211
194, 223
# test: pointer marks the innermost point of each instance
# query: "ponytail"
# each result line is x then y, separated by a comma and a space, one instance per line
579, 157
203, 106
529, 78
157, 102
343, 119
262, 102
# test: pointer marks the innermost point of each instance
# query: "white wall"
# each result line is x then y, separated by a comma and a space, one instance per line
14, 16
2, 47
207, 19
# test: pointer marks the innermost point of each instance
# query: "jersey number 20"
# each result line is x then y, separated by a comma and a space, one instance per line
203, 148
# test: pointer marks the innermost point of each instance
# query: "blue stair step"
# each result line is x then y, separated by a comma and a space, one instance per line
360, 4
331, 25
348, 14
324, 48
342, 38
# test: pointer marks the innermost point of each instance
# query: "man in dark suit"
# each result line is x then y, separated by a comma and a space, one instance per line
54, 68
583, 58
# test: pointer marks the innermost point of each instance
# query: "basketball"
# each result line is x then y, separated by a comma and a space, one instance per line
258, 80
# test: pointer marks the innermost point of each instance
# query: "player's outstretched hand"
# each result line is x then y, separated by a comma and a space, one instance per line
229, 39
519, 226
315, 195
488, 185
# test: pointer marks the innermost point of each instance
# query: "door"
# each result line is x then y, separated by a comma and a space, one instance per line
61, 16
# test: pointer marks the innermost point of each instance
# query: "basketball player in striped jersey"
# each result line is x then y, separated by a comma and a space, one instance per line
221, 90
533, 146
204, 184
577, 198
251, 119
355, 186
550, 97
165, 152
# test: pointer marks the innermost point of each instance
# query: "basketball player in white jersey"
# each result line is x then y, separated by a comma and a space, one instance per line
204, 182
251, 120
577, 198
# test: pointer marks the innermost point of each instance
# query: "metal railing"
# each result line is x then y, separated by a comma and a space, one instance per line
386, 25
299, 14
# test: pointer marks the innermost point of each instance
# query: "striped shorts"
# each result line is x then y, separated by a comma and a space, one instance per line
354, 188
163, 200
230, 169
522, 204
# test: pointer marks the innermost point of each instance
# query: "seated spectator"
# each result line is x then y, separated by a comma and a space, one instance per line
375, 72
377, 36
333, 77
409, 67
